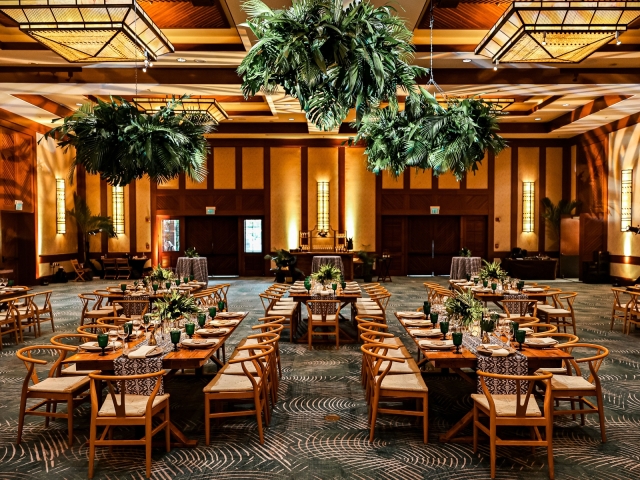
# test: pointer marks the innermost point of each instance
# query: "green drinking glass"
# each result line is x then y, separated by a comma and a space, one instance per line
485, 283
155, 287
343, 284
202, 319
145, 281
167, 285
221, 306
128, 328
177, 282
515, 326
457, 340
494, 286
185, 280
468, 275
11, 283
444, 328
212, 312
175, 338
434, 319
103, 341
135, 283
520, 285
190, 329
475, 280
426, 308
520, 336
123, 287
334, 287
307, 286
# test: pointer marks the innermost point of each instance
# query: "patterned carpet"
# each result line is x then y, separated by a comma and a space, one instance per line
300, 443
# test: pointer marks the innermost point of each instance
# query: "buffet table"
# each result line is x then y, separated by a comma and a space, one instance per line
531, 269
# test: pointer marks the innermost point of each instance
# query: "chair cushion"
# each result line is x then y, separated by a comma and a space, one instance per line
412, 382
229, 383
365, 311
399, 353
545, 307
557, 311
286, 299
554, 370
236, 369
134, 405
60, 384
276, 313
393, 341
318, 318
570, 382
513, 315
71, 370
506, 405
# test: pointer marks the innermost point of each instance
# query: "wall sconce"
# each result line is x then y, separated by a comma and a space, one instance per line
625, 199
323, 209
61, 220
528, 206
117, 204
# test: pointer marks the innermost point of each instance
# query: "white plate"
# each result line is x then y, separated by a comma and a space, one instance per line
437, 345
534, 290
229, 314
212, 332
200, 343
223, 323
417, 323
528, 343
94, 347
411, 314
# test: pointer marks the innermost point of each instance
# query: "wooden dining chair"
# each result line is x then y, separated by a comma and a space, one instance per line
324, 314
43, 309
79, 270
517, 410
240, 389
49, 391
521, 307
123, 268
620, 308
271, 324
9, 321
362, 319
26, 314
541, 329
92, 307
133, 307
73, 340
93, 329
574, 388
385, 388
562, 313
121, 409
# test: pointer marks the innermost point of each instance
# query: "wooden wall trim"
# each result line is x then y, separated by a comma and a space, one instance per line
21, 124
341, 189
238, 168
133, 219
58, 257
267, 203
154, 222
491, 222
304, 188
627, 260
514, 197
104, 246
542, 175
566, 173
378, 213
210, 169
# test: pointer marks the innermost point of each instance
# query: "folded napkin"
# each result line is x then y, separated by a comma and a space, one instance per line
435, 343
409, 314
497, 350
533, 289
528, 330
142, 352
221, 322
90, 345
421, 332
417, 323
541, 341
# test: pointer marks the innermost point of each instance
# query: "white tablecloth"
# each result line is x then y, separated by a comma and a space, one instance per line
321, 260
460, 266
193, 266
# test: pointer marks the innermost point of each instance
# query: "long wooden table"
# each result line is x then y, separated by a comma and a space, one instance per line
301, 298
486, 297
448, 359
184, 358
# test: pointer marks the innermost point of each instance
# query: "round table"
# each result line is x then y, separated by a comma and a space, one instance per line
461, 266
320, 260
196, 266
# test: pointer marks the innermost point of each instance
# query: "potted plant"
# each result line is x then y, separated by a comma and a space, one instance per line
89, 224
327, 274
161, 275
465, 307
349, 244
553, 213
285, 265
191, 253
331, 57
121, 143
465, 252
492, 272
368, 259
175, 306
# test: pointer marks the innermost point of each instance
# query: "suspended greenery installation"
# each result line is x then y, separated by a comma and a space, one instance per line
120, 143
426, 135
330, 57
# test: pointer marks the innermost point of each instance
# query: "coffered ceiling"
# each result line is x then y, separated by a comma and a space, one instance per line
546, 100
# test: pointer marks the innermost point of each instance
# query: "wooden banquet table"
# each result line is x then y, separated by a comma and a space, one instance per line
489, 296
6, 295
448, 359
184, 358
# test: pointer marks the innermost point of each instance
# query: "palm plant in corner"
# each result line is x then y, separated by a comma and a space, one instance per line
330, 57
89, 224
121, 143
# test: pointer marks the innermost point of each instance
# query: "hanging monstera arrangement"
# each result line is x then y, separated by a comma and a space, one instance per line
330, 57
120, 143
426, 135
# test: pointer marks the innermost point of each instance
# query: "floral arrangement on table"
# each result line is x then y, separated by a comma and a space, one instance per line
191, 253
327, 273
465, 252
492, 271
176, 305
160, 275
465, 306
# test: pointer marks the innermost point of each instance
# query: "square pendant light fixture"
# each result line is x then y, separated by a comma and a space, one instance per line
90, 30
61, 207
626, 206
201, 111
528, 207
555, 31
117, 207
323, 208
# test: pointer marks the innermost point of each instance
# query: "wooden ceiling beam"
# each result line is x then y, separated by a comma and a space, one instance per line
584, 111
44, 103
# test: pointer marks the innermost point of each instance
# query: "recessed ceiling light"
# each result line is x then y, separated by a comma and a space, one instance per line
565, 104
538, 119
181, 60
467, 60
199, 60
291, 119
79, 104
229, 119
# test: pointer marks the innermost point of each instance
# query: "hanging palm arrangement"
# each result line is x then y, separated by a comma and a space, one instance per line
330, 57
426, 135
120, 143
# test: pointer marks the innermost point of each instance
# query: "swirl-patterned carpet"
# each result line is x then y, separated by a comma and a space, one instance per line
301, 443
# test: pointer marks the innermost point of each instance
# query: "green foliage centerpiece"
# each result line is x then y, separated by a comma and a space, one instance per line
121, 143
161, 275
426, 135
465, 252
327, 274
465, 307
191, 253
176, 305
330, 57
492, 271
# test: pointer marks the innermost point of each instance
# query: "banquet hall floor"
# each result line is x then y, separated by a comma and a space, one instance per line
301, 444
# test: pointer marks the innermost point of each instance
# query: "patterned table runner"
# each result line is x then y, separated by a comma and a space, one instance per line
138, 366
516, 364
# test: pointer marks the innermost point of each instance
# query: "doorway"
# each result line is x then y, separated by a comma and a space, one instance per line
18, 246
